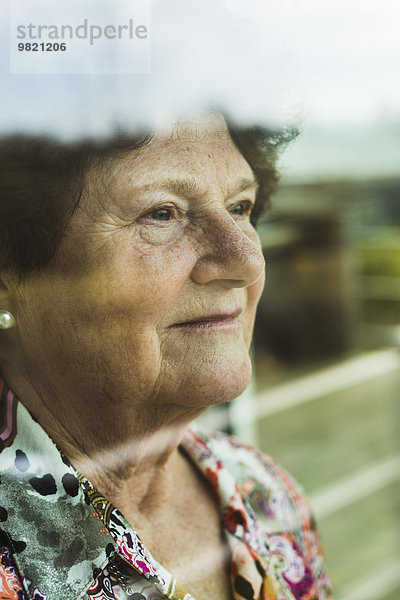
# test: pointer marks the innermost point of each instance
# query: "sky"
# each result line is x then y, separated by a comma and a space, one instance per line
330, 67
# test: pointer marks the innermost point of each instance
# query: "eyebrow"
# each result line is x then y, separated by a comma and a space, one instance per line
190, 188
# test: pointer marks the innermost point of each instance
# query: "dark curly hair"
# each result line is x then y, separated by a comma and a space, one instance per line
42, 181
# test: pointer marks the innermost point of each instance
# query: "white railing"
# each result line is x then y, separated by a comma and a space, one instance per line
358, 486
328, 381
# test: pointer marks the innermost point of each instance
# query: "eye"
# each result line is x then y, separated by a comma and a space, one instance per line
161, 214
241, 209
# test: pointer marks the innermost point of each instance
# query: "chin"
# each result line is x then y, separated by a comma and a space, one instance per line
221, 379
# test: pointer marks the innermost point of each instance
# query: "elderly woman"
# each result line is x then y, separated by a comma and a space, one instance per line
129, 279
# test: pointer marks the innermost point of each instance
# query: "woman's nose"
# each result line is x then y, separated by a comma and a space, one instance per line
229, 254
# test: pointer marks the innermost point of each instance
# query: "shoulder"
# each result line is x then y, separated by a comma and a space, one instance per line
260, 479
276, 504
272, 496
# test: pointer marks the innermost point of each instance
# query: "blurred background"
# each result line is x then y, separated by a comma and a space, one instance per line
324, 396
327, 367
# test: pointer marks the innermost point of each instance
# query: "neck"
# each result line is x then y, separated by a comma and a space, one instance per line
138, 476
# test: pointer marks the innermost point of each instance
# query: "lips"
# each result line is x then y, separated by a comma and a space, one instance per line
211, 319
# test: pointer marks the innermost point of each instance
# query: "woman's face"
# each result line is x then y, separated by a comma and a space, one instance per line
152, 295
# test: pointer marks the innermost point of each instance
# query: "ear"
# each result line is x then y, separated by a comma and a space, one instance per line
6, 302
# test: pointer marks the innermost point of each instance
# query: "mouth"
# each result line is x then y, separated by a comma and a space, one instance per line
212, 321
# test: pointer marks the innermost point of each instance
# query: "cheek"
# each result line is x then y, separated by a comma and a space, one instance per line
135, 288
153, 289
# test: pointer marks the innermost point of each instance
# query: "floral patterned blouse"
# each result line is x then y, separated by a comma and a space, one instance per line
60, 539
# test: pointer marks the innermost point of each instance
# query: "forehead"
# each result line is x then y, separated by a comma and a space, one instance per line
199, 150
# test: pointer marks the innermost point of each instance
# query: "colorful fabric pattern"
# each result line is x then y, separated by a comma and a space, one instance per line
62, 540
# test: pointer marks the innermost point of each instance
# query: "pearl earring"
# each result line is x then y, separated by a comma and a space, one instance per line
7, 320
